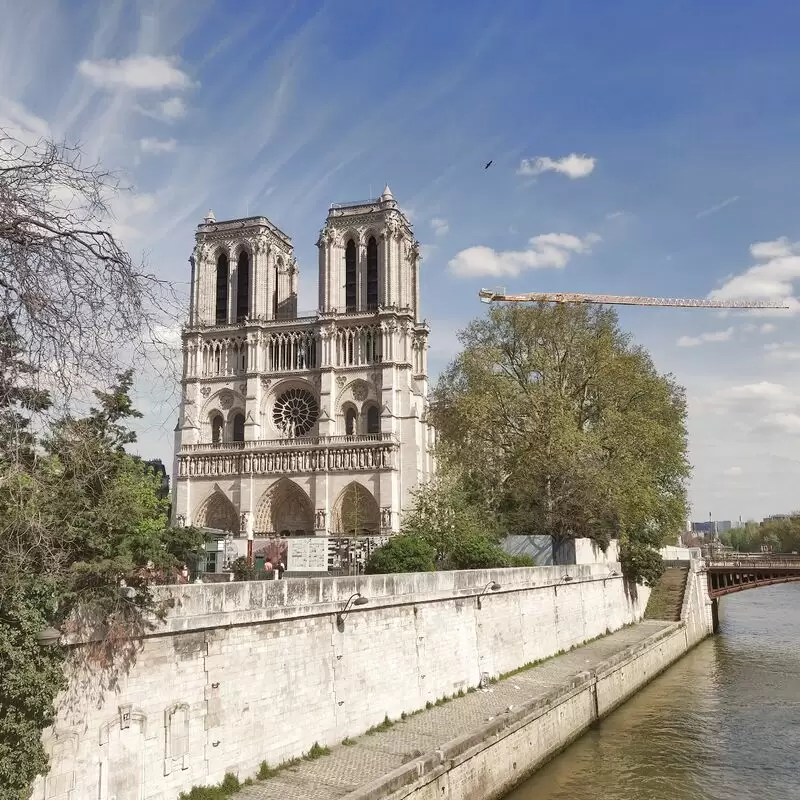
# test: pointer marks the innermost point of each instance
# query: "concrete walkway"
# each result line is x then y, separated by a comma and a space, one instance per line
374, 755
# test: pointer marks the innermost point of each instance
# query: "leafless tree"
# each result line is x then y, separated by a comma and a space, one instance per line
68, 288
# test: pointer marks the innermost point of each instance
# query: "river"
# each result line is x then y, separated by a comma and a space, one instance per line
722, 724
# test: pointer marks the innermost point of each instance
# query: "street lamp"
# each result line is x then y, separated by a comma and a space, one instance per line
491, 586
356, 599
565, 579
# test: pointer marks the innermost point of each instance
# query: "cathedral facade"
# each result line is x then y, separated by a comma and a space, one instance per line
304, 425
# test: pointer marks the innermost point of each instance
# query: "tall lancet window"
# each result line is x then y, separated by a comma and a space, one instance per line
350, 273
243, 287
372, 274
222, 290
275, 279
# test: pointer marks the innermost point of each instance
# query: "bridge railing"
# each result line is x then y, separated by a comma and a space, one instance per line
754, 561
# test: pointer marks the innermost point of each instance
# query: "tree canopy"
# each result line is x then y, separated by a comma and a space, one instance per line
559, 424
780, 535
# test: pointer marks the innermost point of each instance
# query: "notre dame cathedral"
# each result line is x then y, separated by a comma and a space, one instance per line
304, 425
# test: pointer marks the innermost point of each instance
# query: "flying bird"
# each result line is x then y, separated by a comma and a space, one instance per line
488, 165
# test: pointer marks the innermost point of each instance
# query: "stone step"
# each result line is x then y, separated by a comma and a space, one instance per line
666, 599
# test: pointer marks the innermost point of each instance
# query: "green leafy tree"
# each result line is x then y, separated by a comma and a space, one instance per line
185, 545
444, 514
403, 553
564, 427
82, 537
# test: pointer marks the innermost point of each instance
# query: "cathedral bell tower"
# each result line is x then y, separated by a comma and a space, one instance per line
368, 259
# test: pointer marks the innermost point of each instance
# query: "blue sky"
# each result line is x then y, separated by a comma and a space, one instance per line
638, 148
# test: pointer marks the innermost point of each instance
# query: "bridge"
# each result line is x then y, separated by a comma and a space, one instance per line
735, 572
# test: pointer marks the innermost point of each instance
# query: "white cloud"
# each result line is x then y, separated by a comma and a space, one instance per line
733, 471
573, 165
782, 351
617, 215
126, 207
755, 407
771, 280
440, 226
547, 251
711, 336
718, 207
781, 422
145, 73
156, 146
174, 108
21, 123
767, 327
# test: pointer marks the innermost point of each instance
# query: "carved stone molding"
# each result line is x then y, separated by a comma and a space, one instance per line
333, 459
226, 400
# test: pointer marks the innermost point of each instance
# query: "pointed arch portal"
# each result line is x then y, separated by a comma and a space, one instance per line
356, 512
217, 512
285, 509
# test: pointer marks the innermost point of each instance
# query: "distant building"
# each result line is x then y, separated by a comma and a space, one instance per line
711, 527
702, 528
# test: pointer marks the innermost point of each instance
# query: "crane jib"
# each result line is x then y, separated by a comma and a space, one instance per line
627, 300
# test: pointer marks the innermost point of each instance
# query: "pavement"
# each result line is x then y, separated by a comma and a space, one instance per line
349, 766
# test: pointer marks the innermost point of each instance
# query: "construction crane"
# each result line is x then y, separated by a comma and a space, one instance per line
491, 296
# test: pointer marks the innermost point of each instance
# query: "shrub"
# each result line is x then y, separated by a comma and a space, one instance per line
521, 561
478, 552
243, 570
403, 553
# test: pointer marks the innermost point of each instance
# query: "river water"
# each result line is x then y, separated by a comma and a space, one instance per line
722, 724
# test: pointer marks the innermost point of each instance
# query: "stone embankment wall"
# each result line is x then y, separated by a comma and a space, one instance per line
491, 761
244, 672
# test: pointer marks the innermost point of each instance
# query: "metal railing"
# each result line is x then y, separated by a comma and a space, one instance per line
753, 560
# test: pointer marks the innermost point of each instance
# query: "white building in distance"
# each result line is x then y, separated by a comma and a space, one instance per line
304, 425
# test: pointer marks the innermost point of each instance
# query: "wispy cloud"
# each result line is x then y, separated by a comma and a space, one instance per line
440, 226
573, 165
174, 108
547, 251
156, 146
718, 207
143, 73
711, 336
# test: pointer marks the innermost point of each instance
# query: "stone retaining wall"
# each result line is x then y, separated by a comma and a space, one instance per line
492, 760
245, 672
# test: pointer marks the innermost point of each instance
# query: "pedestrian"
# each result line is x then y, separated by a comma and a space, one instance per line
281, 569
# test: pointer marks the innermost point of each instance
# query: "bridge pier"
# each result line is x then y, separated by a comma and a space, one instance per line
715, 615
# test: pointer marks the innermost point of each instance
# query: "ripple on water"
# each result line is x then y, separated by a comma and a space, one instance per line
722, 724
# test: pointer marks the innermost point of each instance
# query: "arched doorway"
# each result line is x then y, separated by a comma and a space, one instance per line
285, 510
356, 512
217, 512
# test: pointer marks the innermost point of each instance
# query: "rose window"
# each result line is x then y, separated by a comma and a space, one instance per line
295, 412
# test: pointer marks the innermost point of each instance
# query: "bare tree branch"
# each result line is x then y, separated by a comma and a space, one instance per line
73, 294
